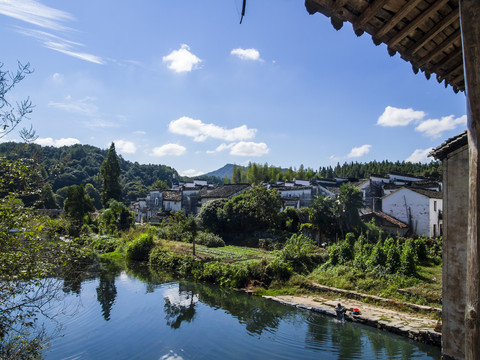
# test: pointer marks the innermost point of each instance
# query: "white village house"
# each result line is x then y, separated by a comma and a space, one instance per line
419, 208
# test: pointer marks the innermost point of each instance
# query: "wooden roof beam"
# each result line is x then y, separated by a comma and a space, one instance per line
450, 59
397, 18
450, 18
369, 13
448, 41
457, 79
416, 23
458, 68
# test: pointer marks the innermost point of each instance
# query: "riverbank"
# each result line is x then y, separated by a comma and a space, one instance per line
271, 274
417, 326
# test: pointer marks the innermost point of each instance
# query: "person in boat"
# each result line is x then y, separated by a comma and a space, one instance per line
340, 310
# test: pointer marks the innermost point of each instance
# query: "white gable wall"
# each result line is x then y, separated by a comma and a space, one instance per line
403, 201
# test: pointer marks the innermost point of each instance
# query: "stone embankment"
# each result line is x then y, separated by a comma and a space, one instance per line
416, 326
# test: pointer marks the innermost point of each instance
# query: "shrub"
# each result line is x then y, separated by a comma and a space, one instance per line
393, 258
421, 249
408, 259
139, 249
209, 240
296, 252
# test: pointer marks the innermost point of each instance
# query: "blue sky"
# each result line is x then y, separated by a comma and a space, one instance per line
182, 83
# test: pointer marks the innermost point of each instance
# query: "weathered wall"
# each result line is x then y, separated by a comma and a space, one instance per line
455, 177
398, 205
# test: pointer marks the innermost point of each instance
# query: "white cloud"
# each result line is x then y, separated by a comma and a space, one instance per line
33, 12
419, 155
243, 148
57, 43
58, 77
125, 147
201, 131
359, 151
57, 143
81, 106
169, 150
399, 117
182, 60
191, 173
435, 127
140, 132
246, 54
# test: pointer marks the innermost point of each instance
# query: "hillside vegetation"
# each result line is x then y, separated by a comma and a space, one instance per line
80, 165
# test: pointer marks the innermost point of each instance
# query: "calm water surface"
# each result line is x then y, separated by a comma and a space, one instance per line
138, 314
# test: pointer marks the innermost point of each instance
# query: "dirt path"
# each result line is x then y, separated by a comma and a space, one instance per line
414, 326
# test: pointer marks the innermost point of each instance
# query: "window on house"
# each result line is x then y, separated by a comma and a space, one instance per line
156, 201
434, 206
434, 230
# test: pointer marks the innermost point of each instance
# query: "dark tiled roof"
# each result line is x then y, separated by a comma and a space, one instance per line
172, 195
452, 144
388, 218
286, 188
425, 184
428, 193
398, 173
225, 191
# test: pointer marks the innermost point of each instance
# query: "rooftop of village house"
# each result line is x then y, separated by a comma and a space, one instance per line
225, 191
432, 194
386, 217
452, 144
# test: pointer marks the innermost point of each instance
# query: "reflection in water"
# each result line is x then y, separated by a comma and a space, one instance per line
158, 317
106, 293
179, 305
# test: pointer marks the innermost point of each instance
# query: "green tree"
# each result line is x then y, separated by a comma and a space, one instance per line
210, 215
76, 206
322, 216
47, 198
117, 217
254, 209
93, 193
110, 173
350, 200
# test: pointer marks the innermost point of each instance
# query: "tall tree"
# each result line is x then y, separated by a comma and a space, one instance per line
76, 206
110, 174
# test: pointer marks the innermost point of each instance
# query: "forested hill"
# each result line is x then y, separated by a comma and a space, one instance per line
80, 164
257, 173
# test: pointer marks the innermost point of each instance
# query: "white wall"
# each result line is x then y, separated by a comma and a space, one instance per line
300, 193
398, 203
434, 216
172, 205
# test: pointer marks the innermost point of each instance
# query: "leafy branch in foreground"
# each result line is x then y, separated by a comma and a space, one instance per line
12, 115
30, 253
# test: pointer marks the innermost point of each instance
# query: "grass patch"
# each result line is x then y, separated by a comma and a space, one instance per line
424, 291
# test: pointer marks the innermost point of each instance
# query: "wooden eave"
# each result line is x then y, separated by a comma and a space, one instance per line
425, 33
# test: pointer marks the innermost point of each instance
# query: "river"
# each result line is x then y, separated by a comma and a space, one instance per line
117, 313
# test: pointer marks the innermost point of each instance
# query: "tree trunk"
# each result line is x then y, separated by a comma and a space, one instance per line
469, 15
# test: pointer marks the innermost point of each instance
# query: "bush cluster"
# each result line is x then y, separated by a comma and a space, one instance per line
387, 256
209, 240
229, 275
140, 248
